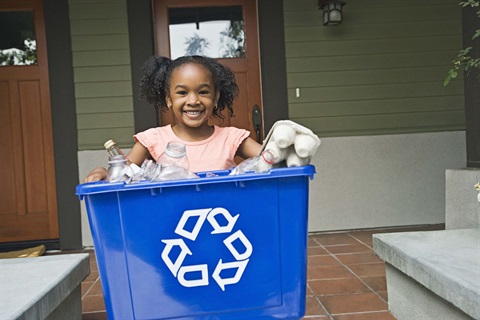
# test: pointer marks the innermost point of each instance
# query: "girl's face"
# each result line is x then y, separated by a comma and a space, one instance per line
192, 95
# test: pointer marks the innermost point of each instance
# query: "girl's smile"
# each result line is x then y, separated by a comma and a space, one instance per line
194, 115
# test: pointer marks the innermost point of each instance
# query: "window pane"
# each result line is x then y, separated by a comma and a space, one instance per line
215, 32
17, 43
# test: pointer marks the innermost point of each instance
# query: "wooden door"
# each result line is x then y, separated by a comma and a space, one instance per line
245, 66
28, 206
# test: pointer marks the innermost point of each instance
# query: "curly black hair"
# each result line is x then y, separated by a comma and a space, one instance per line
157, 72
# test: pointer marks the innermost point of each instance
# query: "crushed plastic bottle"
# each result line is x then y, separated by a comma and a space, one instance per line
118, 169
148, 170
171, 165
258, 164
152, 171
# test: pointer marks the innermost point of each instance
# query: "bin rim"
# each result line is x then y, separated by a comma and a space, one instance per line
222, 177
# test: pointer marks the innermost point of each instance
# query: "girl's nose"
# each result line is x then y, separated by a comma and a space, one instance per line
193, 99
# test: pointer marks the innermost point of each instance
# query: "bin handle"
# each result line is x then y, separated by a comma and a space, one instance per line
155, 191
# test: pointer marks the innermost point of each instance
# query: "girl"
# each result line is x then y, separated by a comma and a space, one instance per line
195, 88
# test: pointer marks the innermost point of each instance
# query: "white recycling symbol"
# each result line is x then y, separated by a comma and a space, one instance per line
179, 270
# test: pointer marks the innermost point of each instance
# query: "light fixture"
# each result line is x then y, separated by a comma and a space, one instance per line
332, 11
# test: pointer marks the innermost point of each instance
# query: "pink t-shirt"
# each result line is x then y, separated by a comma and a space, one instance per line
214, 153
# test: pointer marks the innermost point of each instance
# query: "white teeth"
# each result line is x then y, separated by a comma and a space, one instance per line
193, 112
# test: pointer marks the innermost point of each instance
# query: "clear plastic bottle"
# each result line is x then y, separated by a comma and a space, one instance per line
280, 152
114, 151
175, 155
261, 163
267, 159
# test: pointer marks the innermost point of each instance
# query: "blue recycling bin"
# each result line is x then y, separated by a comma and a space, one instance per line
221, 247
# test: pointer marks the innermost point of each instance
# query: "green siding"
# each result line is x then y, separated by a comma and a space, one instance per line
94, 139
98, 120
110, 26
101, 58
103, 89
381, 71
412, 60
102, 73
100, 42
102, 105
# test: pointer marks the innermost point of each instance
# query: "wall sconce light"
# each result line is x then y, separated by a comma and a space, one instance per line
332, 11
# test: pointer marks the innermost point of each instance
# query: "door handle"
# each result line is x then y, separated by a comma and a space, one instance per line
257, 121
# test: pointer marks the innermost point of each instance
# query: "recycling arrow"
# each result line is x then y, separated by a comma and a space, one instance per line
197, 275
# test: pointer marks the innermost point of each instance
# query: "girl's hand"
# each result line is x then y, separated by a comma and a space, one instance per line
96, 174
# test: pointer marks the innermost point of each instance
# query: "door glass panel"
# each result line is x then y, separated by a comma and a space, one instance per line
215, 32
17, 43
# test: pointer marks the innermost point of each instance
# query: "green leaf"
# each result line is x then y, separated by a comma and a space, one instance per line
446, 81
476, 34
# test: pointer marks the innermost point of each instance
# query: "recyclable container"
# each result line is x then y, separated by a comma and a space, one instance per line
217, 247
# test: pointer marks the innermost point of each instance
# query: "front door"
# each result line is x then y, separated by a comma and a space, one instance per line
225, 30
28, 205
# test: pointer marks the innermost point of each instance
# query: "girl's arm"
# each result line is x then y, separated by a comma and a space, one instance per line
249, 148
137, 155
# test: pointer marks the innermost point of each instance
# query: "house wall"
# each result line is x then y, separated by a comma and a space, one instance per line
102, 75
383, 181
380, 72
372, 89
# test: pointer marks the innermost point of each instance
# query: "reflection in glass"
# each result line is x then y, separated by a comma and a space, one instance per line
17, 43
215, 32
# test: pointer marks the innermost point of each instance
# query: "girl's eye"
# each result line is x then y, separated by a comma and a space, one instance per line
204, 92
182, 93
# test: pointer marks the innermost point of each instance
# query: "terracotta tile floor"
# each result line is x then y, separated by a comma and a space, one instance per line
346, 281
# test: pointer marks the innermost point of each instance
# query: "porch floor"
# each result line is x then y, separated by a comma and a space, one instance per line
345, 279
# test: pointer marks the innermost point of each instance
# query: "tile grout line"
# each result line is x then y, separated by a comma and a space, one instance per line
350, 270
371, 247
321, 304
90, 289
329, 315
358, 277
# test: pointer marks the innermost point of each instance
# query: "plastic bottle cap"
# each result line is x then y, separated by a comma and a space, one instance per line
176, 149
109, 144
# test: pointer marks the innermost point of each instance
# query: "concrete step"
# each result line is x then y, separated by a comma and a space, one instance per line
432, 274
47, 287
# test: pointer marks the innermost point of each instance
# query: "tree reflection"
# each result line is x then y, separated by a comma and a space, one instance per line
196, 45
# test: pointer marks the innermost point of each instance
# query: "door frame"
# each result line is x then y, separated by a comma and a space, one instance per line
64, 122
